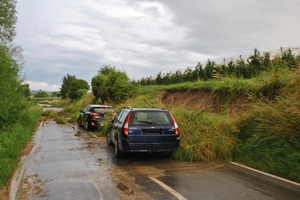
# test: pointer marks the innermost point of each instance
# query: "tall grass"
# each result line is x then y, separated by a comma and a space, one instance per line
204, 136
279, 156
270, 132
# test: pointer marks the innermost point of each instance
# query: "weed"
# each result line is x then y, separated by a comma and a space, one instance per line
50, 113
61, 120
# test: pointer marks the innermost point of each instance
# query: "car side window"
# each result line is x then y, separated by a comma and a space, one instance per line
117, 118
86, 109
123, 116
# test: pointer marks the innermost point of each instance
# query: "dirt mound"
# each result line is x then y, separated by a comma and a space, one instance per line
201, 99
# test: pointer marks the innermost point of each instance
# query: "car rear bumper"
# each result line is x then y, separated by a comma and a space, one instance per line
95, 123
163, 146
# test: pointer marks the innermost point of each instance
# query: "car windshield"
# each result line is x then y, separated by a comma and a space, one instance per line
141, 118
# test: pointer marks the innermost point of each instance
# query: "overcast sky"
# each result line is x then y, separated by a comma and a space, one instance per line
144, 37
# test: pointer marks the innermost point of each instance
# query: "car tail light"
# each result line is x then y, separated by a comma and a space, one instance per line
175, 124
126, 124
94, 114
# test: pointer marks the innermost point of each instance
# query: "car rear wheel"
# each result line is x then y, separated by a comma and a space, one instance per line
87, 126
167, 154
118, 152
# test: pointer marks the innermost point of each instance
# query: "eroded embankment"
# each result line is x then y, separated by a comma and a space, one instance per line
203, 99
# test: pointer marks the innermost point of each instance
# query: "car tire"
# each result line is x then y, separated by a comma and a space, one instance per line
118, 152
87, 126
79, 122
108, 141
168, 154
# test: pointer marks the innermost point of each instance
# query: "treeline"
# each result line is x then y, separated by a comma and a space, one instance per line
240, 68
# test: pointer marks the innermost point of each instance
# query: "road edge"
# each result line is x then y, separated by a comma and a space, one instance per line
275, 180
17, 177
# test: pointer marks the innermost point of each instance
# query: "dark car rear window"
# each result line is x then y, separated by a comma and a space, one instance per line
142, 118
103, 110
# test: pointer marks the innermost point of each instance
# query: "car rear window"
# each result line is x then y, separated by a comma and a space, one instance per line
103, 110
143, 118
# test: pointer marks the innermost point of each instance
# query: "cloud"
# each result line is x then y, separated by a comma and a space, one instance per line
144, 37
234, 26
42, 86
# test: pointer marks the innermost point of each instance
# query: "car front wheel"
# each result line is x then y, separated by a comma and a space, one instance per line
108, 141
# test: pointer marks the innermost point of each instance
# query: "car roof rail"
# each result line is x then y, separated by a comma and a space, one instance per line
128, 107
159, 108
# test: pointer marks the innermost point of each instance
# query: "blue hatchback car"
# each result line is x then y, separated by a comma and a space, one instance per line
143, 130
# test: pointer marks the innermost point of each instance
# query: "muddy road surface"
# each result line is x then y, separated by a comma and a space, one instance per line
69, 163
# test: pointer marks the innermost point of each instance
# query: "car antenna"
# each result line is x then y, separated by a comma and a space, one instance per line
147, 103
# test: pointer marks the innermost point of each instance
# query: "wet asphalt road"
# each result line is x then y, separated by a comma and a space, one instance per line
63, 167
69, 163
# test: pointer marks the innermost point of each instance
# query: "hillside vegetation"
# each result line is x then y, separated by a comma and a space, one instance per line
255, 120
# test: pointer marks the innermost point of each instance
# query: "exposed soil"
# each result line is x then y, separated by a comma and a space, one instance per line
202, 99
4, 192
127, 185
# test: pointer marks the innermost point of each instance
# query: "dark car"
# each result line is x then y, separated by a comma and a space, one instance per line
91, 116
143, 130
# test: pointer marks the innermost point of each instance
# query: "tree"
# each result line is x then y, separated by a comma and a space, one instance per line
289, 60
11, 92
111, 85
73, 88
78, 89
8, 19
209, 69
55, 94
255, 65
26, 90
41, 94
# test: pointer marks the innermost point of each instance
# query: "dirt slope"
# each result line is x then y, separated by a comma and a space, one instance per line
202, 99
